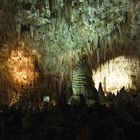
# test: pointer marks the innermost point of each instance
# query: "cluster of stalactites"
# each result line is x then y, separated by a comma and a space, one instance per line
70, 27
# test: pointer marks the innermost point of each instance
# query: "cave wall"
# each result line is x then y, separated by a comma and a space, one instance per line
57, 33
118, 72
61, 31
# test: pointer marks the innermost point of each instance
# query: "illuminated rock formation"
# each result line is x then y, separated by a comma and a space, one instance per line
60, 31
117, 73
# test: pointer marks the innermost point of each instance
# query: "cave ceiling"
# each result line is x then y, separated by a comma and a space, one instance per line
62, 30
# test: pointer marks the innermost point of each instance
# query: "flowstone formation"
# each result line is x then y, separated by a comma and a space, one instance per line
82, 84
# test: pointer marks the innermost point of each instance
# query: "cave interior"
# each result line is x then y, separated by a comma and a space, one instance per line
68, 53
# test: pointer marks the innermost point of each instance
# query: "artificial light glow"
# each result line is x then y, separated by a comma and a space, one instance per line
46, 99
15, 98
21, 67
117, 73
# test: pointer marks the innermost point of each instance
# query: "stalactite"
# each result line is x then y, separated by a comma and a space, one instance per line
105, 51
98, 56
133, 9
40, 4
53, 8
68, 10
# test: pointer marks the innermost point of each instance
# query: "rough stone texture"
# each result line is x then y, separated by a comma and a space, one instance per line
122, 71
45, 27
33, 22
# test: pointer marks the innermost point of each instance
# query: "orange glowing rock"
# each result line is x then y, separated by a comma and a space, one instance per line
21, 67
